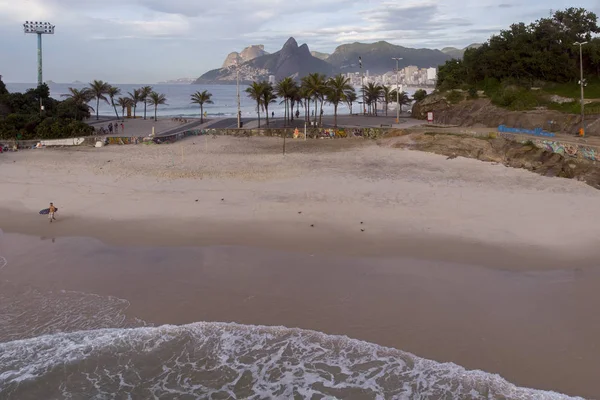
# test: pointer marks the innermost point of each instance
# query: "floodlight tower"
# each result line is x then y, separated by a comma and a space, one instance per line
39, 28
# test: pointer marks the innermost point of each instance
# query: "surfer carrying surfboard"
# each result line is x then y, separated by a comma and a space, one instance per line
51, 212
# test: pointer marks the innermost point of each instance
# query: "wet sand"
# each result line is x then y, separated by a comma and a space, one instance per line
455, 260
536, 328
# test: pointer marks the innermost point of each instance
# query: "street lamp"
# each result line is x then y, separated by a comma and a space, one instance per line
39, 28
582, 84
362, 84
239, 112
397, 88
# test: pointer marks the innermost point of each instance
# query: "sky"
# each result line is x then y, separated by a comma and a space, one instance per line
146, 41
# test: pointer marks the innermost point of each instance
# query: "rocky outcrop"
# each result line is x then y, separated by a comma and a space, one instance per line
482, 113
248, 54
503, 151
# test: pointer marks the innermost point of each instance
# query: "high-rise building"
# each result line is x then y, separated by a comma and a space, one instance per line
272, 79
431, 74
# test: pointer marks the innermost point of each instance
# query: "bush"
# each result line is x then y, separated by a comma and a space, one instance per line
454, 97
420, 95
473, 93
517, 99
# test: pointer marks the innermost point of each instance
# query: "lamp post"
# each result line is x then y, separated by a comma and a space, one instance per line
39, 28
239, 112
362, 85
582, 84
397, 88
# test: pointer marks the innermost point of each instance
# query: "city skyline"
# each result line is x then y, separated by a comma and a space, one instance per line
151, 41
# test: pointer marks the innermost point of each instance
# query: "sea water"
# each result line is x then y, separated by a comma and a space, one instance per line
178, 100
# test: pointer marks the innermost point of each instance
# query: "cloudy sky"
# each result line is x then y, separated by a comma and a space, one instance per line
145, 41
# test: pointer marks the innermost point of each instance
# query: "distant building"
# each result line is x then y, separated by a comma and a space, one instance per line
272, 79
431, 74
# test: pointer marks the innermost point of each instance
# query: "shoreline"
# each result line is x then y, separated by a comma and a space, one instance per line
299, 237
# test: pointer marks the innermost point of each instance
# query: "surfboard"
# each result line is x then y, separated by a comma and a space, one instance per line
46, 211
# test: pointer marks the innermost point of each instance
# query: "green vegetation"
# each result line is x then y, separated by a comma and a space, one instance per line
540, 54
21, 117
155, 99
420, 95
317, 89
202, 98
454, 97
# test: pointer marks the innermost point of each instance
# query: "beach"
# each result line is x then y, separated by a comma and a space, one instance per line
452, 260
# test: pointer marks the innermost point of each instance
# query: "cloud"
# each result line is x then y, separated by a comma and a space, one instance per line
150, 40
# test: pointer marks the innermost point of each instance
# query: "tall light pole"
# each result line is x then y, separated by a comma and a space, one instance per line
582, 84
39, 28
362, 85
239, 112
397, 88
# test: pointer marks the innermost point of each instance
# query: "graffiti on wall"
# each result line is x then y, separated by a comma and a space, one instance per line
124, 140
588, 153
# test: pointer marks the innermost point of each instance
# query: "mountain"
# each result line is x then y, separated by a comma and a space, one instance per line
319, 55
249, 53
377, 57
458, 53
291, 60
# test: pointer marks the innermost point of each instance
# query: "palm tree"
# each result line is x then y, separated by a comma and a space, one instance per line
403, 98
202, 98
156, 99
284, 90
98, 90
295, 98
144, 93
316, 87
373, 93
81, 98
269, 97
112, 92
351, 97
123, 102
337, 87
135, 99
386, 95
255, 92
304, 94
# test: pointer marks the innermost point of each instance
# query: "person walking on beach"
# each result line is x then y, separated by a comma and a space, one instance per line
116, 127
51, 213
273, 114
110, 128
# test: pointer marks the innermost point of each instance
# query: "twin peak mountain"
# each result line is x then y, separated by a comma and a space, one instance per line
298, 61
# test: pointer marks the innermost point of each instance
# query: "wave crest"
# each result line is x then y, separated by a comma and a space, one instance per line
212, 360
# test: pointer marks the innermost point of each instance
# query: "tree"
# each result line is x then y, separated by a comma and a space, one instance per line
284, 90
202, 98
295, 98
351, 98
337, 87
316, 86
135, 99
144, 93
123, 102
156, 99
420, 95
269, 97
255, 92
2, 88
98, 90
304, 94
386, 95
80, 98
112, 92
373, 92
402, 98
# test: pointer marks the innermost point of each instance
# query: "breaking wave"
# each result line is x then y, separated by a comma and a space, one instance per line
218, 361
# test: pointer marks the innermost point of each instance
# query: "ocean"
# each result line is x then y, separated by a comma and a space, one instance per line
178, 100
65, 344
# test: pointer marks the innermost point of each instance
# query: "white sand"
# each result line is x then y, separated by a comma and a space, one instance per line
394, 190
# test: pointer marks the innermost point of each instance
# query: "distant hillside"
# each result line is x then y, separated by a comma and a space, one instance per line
291, 60
459, 53
377, 57
319, 55
249, 53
